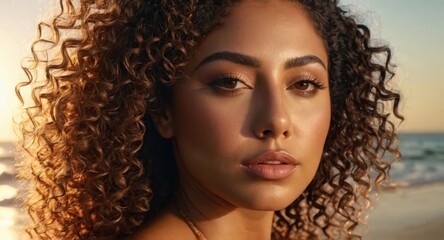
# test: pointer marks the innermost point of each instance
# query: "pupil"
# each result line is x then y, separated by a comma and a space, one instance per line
303, 85
229, 83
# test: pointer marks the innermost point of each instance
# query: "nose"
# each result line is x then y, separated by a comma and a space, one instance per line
273, 119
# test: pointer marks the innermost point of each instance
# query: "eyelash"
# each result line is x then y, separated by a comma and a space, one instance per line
216, 85
307, 80
218, 81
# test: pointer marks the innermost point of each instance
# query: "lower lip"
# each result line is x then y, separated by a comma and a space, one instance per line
271, 171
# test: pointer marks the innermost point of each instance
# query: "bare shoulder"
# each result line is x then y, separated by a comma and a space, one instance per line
165, 226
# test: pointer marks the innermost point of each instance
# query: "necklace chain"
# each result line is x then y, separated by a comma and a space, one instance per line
197, 232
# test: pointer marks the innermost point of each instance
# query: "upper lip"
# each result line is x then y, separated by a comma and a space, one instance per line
272, 155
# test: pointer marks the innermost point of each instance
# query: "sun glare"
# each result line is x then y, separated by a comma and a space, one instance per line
9, 77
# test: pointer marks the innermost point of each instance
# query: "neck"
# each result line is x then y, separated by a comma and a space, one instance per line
219, 219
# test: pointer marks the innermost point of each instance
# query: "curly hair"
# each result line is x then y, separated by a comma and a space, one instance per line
94, 166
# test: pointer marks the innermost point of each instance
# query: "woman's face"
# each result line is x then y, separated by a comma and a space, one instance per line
250, 122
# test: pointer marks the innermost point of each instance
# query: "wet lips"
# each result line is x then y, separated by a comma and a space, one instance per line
272, 165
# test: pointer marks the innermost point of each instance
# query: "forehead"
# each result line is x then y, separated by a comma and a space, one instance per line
265, 29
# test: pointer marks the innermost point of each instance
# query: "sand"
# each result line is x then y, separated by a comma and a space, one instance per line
407, 213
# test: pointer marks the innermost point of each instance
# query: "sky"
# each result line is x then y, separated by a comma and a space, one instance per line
413, 29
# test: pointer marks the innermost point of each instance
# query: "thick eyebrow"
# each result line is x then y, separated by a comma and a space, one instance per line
254, 62
232, 57
304, 60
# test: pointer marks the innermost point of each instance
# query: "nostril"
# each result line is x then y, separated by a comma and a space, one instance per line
267, 132
286, 134
270, 133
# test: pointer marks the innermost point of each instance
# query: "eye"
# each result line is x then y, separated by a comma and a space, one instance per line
306, 87
229, 83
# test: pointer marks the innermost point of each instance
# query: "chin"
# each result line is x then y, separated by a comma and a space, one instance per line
270, 200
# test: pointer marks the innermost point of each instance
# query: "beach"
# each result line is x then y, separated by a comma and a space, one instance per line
408, 213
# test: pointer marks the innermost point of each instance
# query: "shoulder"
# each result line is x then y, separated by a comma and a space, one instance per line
165, 226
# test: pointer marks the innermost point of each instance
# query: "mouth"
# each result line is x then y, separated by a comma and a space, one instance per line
271, 165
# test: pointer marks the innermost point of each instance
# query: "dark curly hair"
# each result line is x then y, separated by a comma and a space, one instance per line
94, 167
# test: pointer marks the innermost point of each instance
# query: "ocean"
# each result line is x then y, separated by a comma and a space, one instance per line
422, 159
10, 215
422, 162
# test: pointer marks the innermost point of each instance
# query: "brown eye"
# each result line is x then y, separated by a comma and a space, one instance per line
306, 88
304, 85
227, 82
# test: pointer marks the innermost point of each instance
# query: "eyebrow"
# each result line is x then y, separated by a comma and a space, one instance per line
304, 60
250, 61
232, 57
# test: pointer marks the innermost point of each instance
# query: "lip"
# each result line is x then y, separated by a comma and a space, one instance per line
271, 165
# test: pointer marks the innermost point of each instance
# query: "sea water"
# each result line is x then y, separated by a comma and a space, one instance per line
10, 215
422, 162
422, 159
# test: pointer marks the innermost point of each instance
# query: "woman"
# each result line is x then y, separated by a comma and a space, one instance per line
206, 120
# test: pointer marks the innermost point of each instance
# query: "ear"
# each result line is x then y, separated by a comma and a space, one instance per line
163, 122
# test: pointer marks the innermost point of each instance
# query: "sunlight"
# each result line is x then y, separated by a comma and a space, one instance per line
10, 75
8, 223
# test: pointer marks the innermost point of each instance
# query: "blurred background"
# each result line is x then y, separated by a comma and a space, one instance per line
413, 29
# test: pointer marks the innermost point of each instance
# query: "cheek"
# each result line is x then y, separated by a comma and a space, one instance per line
312, 125
205, 126
316, 125
312, 121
